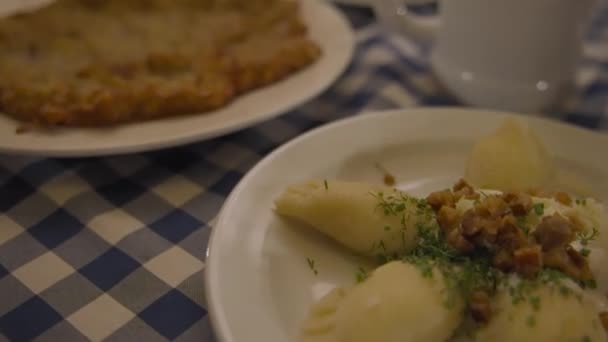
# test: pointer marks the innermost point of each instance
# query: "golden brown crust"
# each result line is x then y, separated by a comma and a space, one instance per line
119, 61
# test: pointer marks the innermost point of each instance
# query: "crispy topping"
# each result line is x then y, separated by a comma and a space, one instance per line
441, 198
479, 304
568, 261
519, 203
511, 237
553, 232
492, 206
528, 261
604, 319
462, 185
388, 178
503, 260
580, 262
496, 224
462, 188
471, 223
448, 218
459, 242
563, 198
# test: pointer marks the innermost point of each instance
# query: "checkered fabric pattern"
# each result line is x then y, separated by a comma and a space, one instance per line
113, 248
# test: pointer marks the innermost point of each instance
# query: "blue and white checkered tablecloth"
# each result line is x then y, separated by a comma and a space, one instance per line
113, 248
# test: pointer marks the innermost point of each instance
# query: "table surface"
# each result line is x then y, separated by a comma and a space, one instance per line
113, 248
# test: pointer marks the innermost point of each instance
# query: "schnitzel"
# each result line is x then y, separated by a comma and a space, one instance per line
104, 62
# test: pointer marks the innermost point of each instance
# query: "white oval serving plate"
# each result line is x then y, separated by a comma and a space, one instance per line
258, 283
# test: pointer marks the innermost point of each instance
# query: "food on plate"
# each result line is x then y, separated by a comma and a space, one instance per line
320, 323
511, 259
94, 63
396, 303
387, 178
510, 159
552, 316
479, 246
369, 219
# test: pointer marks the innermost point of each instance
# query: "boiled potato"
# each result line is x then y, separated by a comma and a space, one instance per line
396, 304
558, 317
511, 159
351, 213
320, 324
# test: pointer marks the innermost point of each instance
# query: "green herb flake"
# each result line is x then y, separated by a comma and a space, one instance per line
539, 208
361, 275
311, 265
387, 228
591, 283
586, 339
535, 301
585, 252
382, 246
585, 238
522, 224
531, 321
325, 184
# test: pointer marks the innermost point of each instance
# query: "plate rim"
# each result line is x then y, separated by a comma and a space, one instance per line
72, 151
215, 310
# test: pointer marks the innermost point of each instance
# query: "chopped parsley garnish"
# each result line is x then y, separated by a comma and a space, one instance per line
325, 184
361, 275
531, 321
555, 277
395, 204
311, 265
522, 224
539, 208
587, 237
535, 301
462, 275
586, 339
382, 246
591, 283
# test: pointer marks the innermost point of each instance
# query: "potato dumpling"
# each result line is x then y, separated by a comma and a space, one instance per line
351, 213
557, 317
395, 304
320, 324
510, 159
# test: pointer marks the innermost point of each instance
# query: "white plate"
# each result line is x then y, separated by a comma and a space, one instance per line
327, 27
258, 283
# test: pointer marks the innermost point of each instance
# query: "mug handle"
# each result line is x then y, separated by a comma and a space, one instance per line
394, 15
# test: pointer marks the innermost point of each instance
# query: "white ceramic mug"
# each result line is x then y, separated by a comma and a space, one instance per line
518, 55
